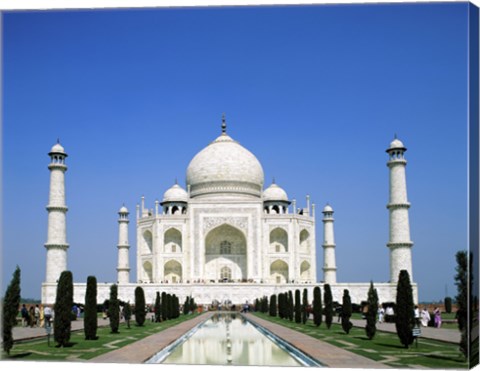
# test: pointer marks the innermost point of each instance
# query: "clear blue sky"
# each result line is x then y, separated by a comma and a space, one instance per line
316, 93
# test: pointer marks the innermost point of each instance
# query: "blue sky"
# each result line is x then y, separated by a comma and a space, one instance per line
315, 92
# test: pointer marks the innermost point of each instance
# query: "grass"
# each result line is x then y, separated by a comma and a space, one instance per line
384, 347
81, 349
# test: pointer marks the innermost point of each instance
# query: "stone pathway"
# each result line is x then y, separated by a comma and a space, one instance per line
142, 350
325, 353
440, 334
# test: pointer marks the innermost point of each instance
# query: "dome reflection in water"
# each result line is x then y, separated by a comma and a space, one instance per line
228, 339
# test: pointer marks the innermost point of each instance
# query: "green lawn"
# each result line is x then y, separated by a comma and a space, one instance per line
81, 349
385, 347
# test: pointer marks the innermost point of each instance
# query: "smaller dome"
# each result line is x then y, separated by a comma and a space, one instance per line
274, 193
123, 210
175, 194
57, 148
327, 209
396, 144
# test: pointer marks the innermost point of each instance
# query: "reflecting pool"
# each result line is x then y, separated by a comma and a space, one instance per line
229, 339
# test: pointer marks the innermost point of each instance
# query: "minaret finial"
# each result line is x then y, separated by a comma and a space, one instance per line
58, 140
176, 180
224, 124
273, 180
395, 136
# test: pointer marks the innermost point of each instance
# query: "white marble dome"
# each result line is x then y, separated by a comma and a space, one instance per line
57, 148
396, 143
123, 210
275, 193
327, 209
225, 167
175, 194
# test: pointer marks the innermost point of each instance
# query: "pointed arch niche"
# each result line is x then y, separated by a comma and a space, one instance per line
147, 242
172, 271
225, 246
172, 241
279, 271
278, 241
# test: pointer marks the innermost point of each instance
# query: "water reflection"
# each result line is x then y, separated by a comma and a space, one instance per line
229, 339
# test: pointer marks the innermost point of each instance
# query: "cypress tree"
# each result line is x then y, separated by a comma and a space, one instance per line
11, 303
257, 305
127, 313
273, 305
346, 312
371, 315
175, 306
114, 309
328, 299
164, 306
405, 319
158, 308
317, 306
186, 306
290, 305
63, 309
281, 305
298, 307
139, 306
463, 281
448, 304
305, 306
193, 305
169, 306
90, 323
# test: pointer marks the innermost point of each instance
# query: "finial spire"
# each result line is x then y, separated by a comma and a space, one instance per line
58, 140
395, 136
273, 180
224, 124
176, 180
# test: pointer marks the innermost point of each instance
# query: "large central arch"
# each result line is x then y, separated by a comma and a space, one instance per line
225, 250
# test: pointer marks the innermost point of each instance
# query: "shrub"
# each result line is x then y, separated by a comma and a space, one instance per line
139, 306
63, 309
164, 306
371, 315
273, 305
298, 307
405, 317
346, 312
114, 309
11, 302
304, 306
448, 304
90, 323
158, 308
327, 298
317, 306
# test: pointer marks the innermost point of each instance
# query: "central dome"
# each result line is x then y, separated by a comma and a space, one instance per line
225, 167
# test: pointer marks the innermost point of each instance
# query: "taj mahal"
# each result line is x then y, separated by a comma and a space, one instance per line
226, 237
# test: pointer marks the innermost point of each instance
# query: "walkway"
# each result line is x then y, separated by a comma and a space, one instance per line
20, 333
328, 355
142, 350
440, 334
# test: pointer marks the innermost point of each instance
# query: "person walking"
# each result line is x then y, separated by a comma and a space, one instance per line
425, 317
42, 317
37, 316
47, 311
437, 317
24, 314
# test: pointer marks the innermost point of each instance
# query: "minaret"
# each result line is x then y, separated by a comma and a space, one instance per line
123, 268
399, 243
57, 216
329, 266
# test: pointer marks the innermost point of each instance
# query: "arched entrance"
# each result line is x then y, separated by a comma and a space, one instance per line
279, 271
172, 271
225, 254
